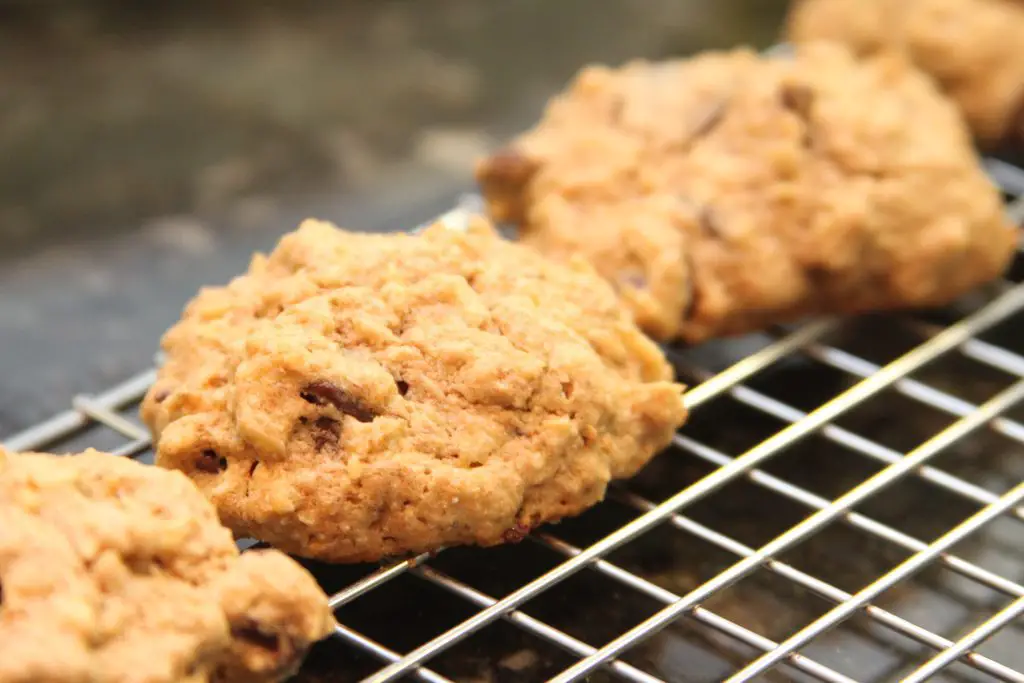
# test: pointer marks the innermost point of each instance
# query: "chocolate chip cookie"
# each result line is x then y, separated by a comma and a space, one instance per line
357, 396
727, 192
113, 571
973, 48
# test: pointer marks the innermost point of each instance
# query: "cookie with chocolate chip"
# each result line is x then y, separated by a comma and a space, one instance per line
973, 48
728, 192
357, 396
114, 571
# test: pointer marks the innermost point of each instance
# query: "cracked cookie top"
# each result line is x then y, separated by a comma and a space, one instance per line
727, 192
113, 571
355, 396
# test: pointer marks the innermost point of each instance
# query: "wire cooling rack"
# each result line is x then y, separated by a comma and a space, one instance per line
845, 505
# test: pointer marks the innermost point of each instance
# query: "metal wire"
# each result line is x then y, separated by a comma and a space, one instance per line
528, 623
824, 589
890, 579
68, 422
962, 337
919, 391
812, 524
859, 444
1008, 614
707, 617
383, 653
999, 309
855, 519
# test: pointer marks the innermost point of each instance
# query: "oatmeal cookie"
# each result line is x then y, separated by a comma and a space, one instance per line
357, 396
113, 571
727, 192
973, 48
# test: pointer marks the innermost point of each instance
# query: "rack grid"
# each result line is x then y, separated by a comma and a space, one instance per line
944, 385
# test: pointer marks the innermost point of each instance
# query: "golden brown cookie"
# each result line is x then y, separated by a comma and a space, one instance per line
356, 396
727, 192
113, 571
973, 48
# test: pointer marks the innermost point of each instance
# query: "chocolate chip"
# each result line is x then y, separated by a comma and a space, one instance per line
509, 167
322, 391
504, 176
713, 116
797, 98
516, 533
1, 595
403, 387
310, 397
326, 432
251, 634
160, 395
209, 462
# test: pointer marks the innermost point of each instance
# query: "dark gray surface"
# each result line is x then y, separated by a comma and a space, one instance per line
114, 112
144, 153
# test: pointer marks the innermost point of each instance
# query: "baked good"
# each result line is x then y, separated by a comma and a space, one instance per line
113, 571
357, 396
727, 192
973, 48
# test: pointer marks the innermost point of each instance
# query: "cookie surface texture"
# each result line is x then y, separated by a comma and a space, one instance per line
114, 571
730, 191
973, 48
358, 396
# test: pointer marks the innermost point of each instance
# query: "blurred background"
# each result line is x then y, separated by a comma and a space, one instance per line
147, 148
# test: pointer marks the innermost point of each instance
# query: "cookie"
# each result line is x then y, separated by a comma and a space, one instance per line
114, 571
728, 192
973, 48
358, 396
